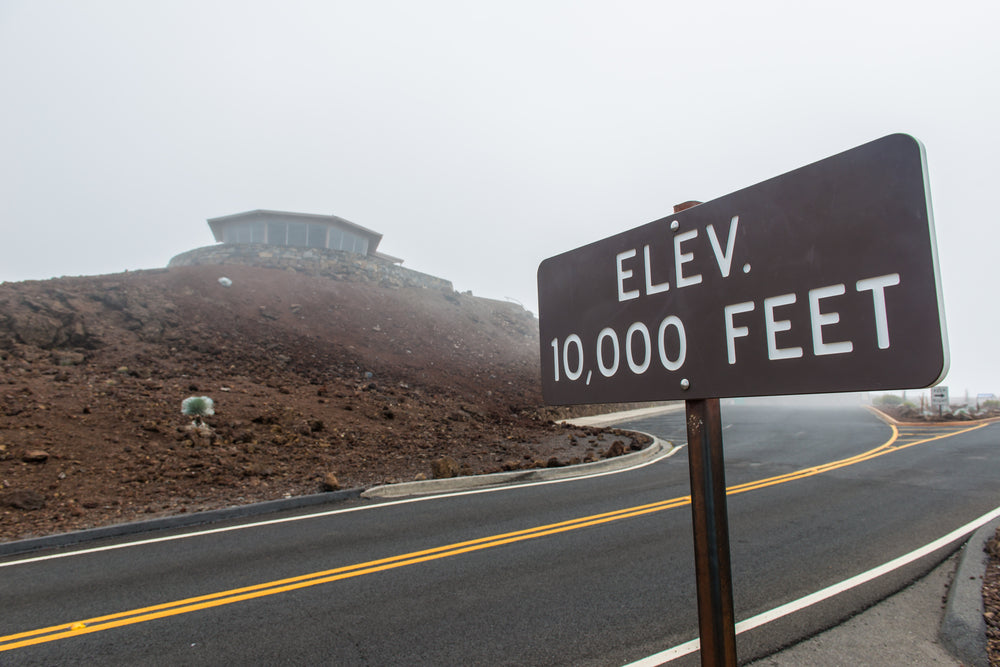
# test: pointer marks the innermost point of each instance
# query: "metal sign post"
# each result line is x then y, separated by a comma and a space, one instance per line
710, 520
716, 620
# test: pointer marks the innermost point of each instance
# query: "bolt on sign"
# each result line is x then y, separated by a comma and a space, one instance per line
824, 279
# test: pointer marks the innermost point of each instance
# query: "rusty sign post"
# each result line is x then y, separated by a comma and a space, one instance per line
713, 575
710, 521
822, 280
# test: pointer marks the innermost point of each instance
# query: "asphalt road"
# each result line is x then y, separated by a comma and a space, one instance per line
594, 571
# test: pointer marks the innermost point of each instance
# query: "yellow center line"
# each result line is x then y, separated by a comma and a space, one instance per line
188, 605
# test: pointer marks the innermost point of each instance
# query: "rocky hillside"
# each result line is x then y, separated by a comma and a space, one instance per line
317, 384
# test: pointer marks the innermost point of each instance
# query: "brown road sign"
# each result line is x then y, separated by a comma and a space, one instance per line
821, 280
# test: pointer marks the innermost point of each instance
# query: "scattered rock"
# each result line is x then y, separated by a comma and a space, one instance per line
69, 358
444, 468
24, 500
35, 456
200, 434
330, 482
617, 448
257, 470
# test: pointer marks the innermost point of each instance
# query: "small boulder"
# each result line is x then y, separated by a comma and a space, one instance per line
201, 435
444, 468
617, 448
24, 500
69, 358
330, 482
35, 456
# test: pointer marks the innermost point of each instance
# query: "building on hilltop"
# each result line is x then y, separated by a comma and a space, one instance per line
303, 230
321, 245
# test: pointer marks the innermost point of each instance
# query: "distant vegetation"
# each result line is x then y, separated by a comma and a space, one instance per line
892, 401
888, 400
900, 408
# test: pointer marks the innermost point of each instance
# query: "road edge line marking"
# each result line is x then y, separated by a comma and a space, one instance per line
830, 591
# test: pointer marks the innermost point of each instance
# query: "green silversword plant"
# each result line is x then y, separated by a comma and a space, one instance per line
198, 407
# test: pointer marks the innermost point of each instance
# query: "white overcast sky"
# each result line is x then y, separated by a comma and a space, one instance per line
480, 137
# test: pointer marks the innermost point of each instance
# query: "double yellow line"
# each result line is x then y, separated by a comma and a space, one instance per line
188, 605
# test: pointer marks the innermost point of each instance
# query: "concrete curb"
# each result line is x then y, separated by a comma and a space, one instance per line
610, 418
963, 630
176, 521
471, 482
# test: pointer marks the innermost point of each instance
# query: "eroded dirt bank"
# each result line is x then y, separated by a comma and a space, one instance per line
317, 383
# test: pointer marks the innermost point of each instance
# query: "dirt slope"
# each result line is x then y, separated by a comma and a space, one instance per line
317, 383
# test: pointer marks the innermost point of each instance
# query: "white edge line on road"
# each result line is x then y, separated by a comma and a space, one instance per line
670, 451
828, 592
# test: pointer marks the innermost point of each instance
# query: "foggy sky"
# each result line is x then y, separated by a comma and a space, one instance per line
479, 138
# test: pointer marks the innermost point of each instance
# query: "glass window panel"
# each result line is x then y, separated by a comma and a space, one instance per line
257, 232
350, 240
228, 234
336, 239
317, 236
276, 233
297, 233
244, 233
362, 246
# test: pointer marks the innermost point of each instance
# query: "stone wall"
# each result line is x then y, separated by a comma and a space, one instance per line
314, 261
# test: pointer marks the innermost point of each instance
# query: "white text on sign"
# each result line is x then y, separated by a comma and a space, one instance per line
664, 344
724, 259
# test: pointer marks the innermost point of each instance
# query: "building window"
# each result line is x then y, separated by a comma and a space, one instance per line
276, 233
257, 232
317, 236
349, 242
297, 233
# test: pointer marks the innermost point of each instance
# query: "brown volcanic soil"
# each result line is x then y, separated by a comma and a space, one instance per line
313, 379
991, 599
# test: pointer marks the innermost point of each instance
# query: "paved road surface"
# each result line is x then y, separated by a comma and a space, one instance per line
594, 571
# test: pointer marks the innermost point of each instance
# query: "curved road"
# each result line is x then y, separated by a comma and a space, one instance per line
590, 571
